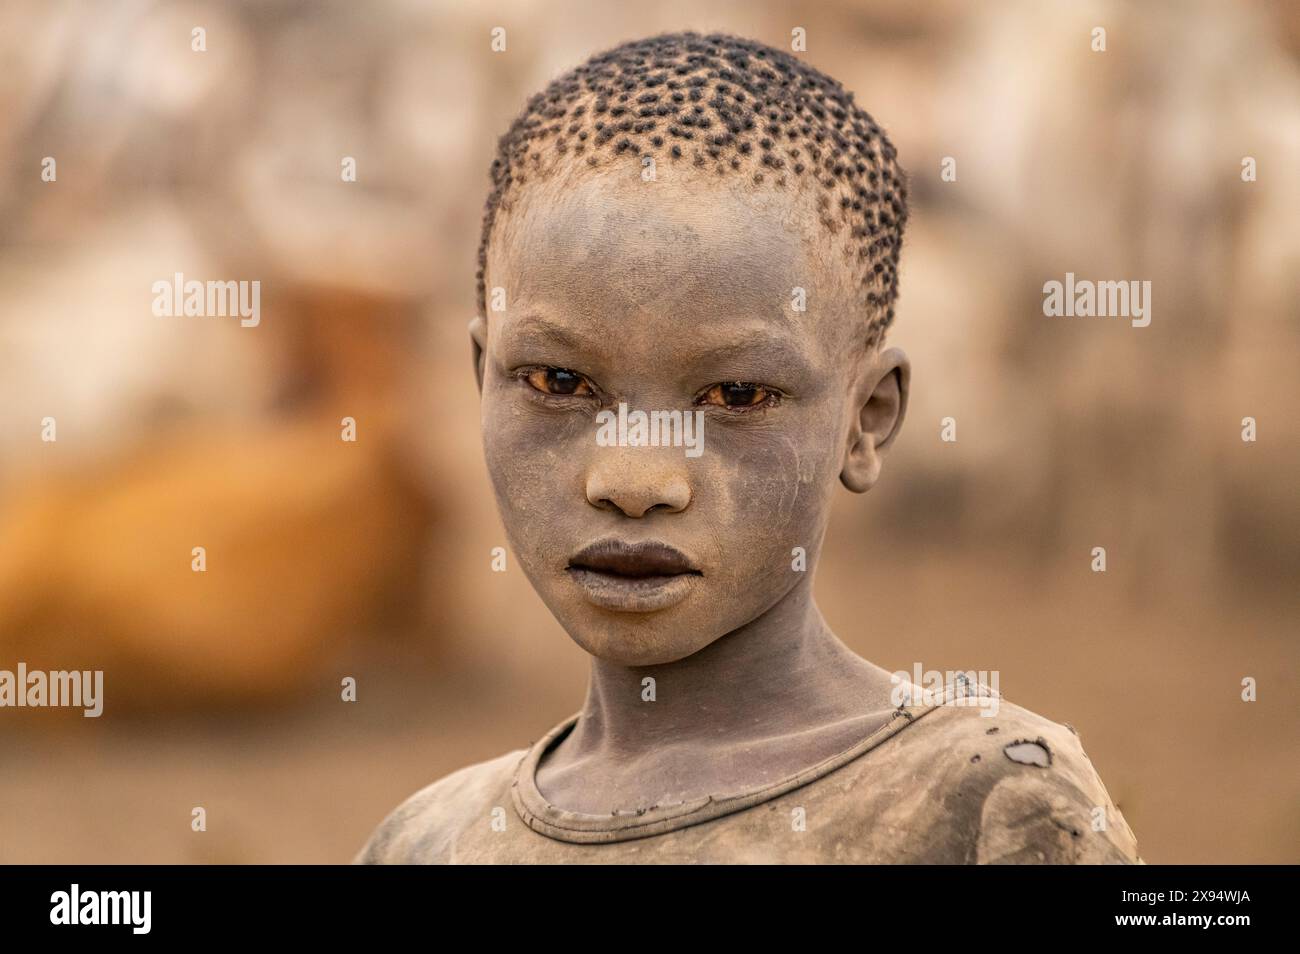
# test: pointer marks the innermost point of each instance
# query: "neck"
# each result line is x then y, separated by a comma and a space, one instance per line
782, 670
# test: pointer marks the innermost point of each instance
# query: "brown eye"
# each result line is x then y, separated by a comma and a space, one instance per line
737, 394
558, 381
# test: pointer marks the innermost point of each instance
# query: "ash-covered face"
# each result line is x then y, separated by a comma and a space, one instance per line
667, 296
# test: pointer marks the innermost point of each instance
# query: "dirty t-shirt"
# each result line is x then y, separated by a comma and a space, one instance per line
937, 783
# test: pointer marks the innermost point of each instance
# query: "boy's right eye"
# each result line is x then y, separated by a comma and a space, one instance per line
560, 381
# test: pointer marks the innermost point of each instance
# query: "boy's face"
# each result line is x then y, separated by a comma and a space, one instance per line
665, 295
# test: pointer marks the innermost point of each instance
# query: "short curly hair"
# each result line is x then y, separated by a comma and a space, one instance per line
736, 106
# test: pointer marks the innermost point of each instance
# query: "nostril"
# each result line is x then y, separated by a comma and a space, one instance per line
637, 495
629, 508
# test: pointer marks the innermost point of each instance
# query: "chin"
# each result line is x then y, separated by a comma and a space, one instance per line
633, 655
626, 641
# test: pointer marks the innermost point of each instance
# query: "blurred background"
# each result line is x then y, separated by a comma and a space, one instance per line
371, 559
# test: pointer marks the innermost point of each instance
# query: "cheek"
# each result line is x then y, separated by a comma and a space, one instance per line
772, 490
534, 461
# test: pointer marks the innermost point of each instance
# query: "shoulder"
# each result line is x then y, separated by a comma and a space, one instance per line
423, 829
1018, 787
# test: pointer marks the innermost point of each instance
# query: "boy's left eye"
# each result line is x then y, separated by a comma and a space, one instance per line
737, 394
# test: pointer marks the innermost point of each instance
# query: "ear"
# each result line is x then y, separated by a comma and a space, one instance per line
478, 346
879, 404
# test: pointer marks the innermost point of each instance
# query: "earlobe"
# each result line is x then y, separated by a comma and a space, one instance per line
861, 469
478, 346
880, 403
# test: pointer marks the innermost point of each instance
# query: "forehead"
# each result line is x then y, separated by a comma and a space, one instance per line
612, 250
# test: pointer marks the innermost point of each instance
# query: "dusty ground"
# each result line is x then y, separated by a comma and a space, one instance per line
1200, 775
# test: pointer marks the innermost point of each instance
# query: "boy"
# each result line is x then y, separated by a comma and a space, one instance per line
706, 231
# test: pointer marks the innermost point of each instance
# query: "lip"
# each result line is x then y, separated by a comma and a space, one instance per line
633, 577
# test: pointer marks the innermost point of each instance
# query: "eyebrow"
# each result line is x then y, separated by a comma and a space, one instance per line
536, 326
761, 352
768, 354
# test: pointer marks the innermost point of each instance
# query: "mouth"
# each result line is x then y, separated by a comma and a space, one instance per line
633, 577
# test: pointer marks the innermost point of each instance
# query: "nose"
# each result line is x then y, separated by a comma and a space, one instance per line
636, 482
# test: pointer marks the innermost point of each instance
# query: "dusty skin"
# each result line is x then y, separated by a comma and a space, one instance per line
654, 293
